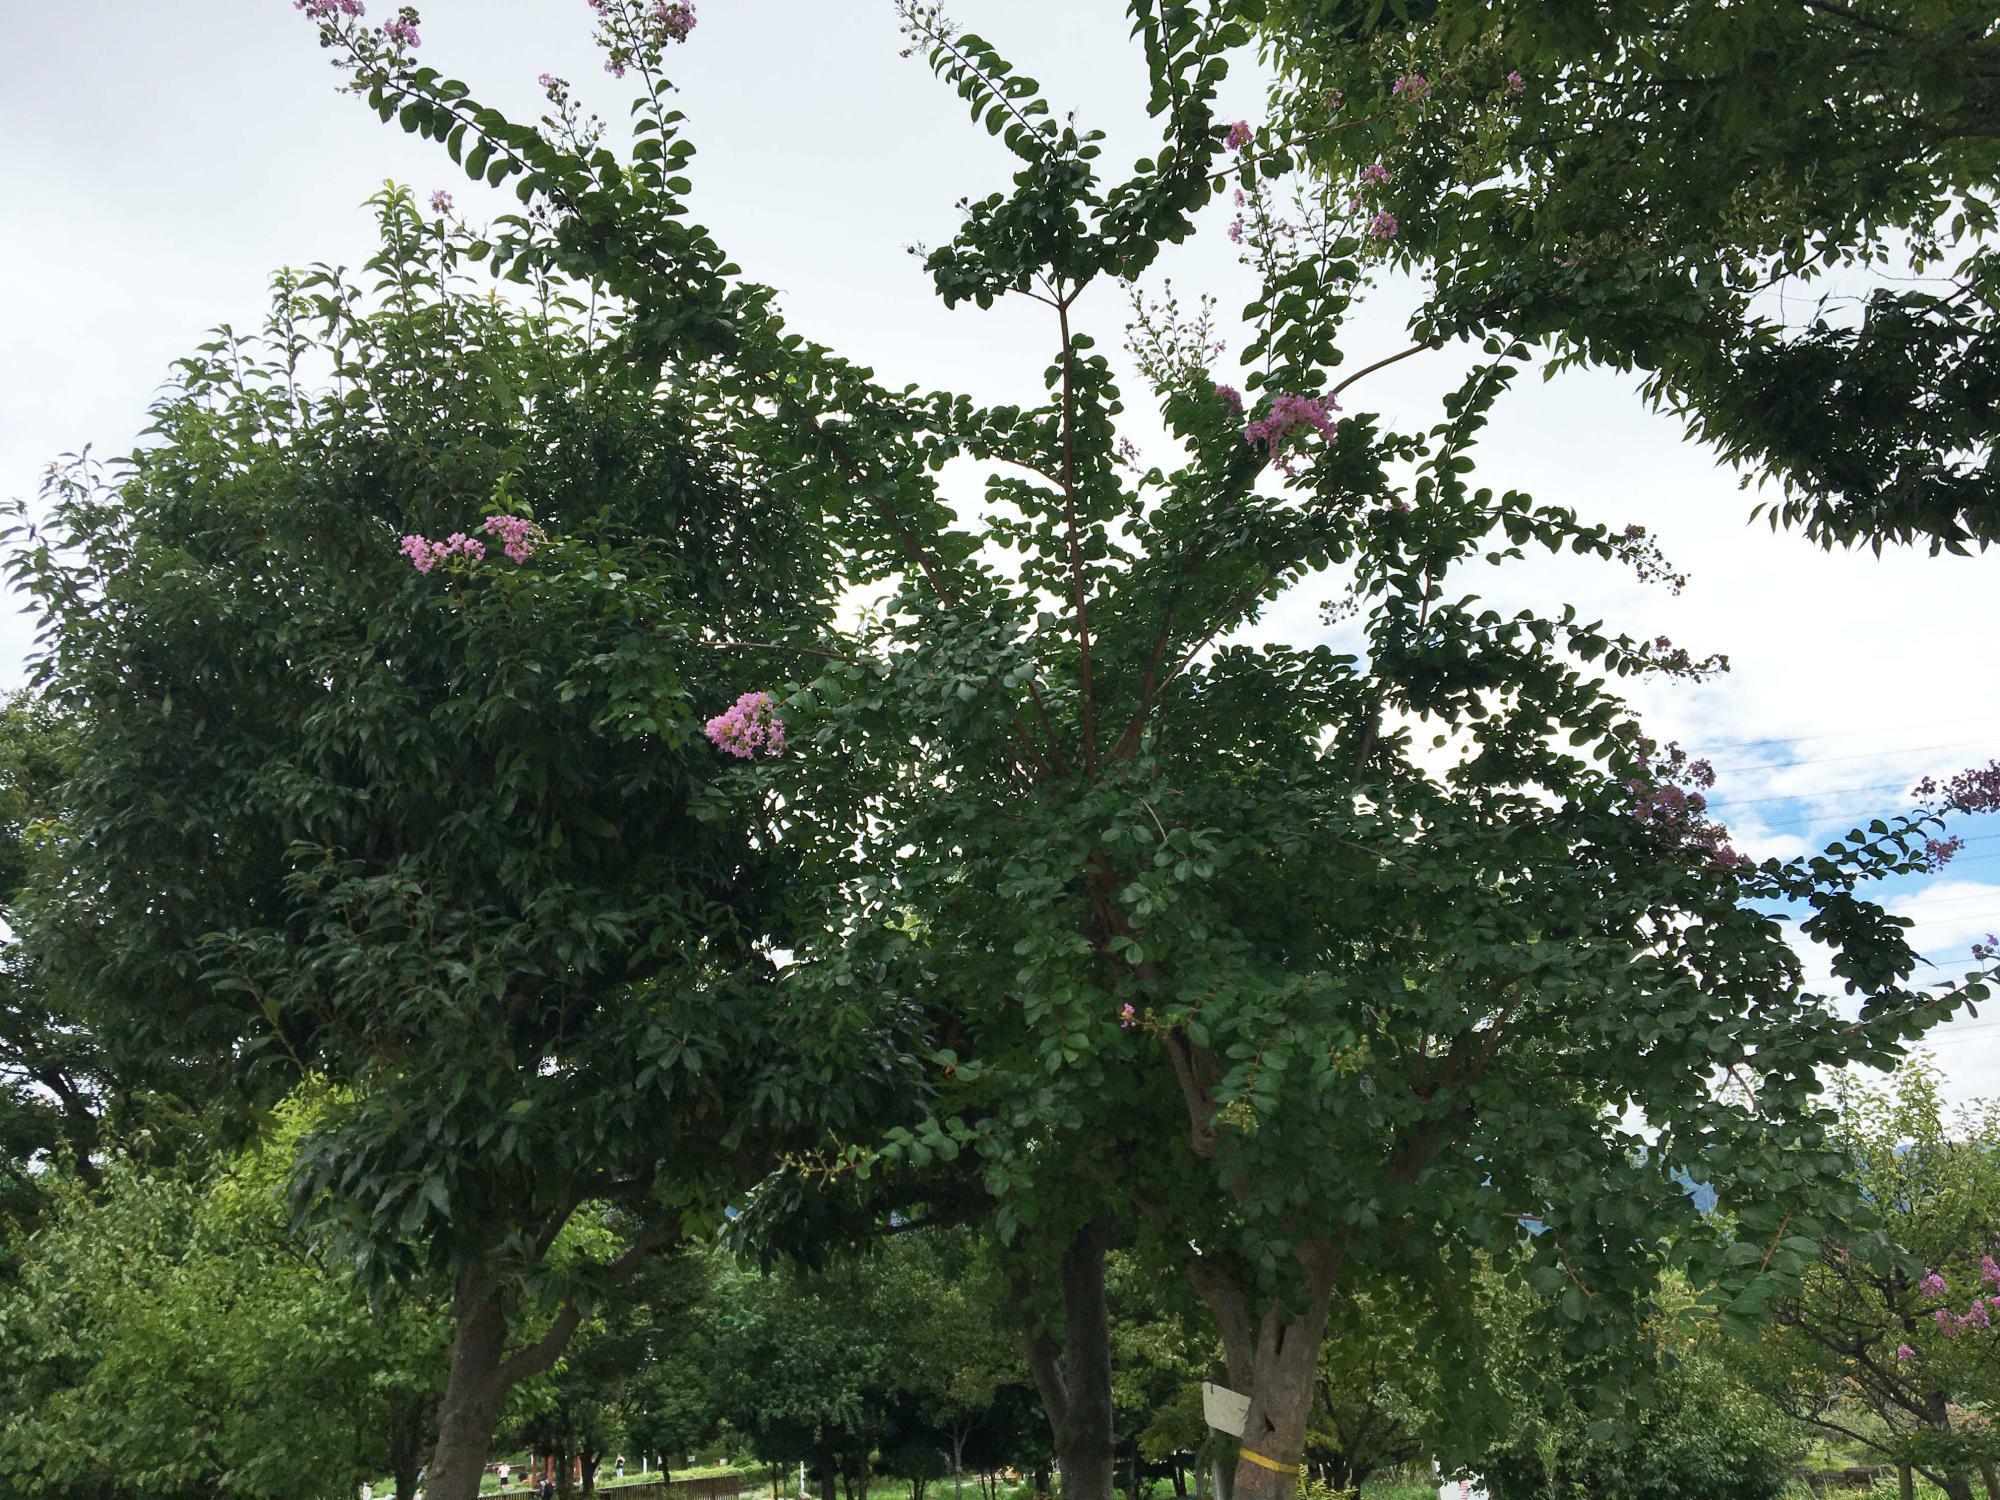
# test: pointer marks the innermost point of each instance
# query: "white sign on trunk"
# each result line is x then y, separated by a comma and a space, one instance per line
1223, 1409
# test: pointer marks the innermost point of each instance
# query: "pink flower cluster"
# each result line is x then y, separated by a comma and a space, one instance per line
1976, 790
425, 554
1670, 794
1979, 1314
1290, 414
1383, 225
1126, 1016
1411, 86
749, 728
1231, 398
1515, 82
327, 10
517, 535
441, 203
675, 21
1375, 172
1238, 136
1904, 1354
403, 32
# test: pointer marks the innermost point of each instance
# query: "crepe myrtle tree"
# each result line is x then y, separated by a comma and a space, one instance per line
1781, 215
392, 646
1889, 1343
1411, 943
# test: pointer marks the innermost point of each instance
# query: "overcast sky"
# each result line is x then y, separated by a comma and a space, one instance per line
158, 162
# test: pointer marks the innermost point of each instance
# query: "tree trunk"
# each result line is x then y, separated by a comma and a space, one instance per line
1955, 1486
409, 1424
1989, 1478
1906, 1483
958, 1463
473, 1391
1280, 1364
591, 1463
1074, 1376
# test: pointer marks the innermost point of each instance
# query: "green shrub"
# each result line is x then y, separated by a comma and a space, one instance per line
1701, 1437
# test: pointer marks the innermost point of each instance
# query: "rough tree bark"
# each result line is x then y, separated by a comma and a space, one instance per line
1073, 1375
1281, 1359
473, 1390
482, 1372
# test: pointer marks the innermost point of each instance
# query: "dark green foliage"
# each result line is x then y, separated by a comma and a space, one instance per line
1407, 950
1720, 197
172, 1334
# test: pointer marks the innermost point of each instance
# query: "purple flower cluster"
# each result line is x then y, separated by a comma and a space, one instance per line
1515, 82
1126, 1015
1976, 790
1231, 398
1412, 87
403, 32
441, 203
1290, 414
1978, 1315
1671, 795
1375, 172
1383, 225
631, 37
517, 535
749, 728
425, 554
1990, 949
1904, 1354
327, 10
1238, 137
518, 538
1941, 851
675, 21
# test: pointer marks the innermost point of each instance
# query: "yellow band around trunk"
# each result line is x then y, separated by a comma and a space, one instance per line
1268, 1463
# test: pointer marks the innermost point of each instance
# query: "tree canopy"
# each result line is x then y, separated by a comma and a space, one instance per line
1781, 215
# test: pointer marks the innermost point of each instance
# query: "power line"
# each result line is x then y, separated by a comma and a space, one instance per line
1834, 791
1827, 760
1848, 734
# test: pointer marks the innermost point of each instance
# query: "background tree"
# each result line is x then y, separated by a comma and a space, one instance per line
1403, 1376
1720, 197
174, 1335
1889, 1343
807, 1370
957, 1352
1163, 1346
